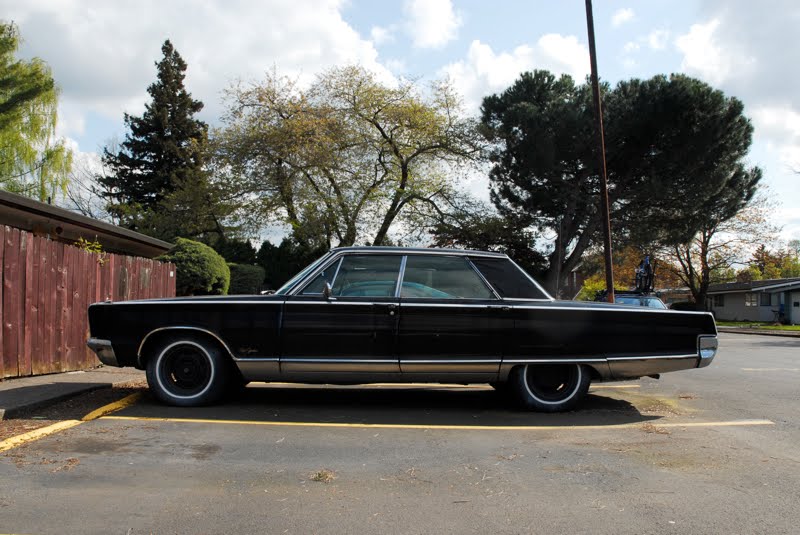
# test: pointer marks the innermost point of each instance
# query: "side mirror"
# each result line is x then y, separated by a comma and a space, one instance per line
326, 290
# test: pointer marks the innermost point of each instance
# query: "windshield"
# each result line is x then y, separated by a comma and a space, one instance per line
305, 271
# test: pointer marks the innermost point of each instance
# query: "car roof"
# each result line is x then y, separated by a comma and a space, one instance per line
418, 250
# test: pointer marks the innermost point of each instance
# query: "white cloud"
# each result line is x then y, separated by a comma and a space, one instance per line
657, 39
702, 54
102, 53
780, 125
395, 65
621, 16
630, 47
431, 23
381, 35
484, 71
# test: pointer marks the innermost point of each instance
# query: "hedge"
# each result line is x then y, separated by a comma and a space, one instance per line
200, 269
246, 279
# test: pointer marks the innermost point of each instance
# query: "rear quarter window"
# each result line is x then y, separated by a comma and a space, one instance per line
509, 280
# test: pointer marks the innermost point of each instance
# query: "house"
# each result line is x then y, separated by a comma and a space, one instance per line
764, 300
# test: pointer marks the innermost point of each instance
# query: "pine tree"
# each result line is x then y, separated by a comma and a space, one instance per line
158, 183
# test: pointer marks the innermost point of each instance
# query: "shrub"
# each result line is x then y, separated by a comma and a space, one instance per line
246, 279
200, 270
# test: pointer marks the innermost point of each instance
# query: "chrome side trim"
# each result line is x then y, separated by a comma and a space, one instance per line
611, 308
448, 305
653, 357
551, 361
448, 361
332, 302
104, 351
419, 251
324, 360
256, 359
179, 328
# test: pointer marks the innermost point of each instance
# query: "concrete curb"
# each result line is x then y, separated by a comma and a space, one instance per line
59, 392
760, 332
24, 394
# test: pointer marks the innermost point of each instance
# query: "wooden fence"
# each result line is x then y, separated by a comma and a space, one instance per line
46, 289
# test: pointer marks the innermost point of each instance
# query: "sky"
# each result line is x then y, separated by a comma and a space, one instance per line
103, 54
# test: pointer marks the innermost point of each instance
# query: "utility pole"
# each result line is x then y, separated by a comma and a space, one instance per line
601, 145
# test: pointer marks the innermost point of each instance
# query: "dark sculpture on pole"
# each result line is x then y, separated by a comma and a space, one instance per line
645, 277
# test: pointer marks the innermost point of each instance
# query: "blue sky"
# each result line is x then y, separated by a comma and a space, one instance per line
103, 53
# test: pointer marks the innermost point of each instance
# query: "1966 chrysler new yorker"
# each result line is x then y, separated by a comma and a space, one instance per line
385, 314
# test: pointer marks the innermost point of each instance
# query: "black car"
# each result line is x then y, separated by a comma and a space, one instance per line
385, 314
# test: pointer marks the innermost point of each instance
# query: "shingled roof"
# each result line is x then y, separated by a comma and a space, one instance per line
754, 286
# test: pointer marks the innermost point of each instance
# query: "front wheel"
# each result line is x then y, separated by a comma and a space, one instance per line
187, 372
549, 387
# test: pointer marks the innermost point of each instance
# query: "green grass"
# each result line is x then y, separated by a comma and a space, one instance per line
757, 325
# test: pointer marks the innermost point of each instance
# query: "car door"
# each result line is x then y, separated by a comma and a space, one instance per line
352, 330
448, 318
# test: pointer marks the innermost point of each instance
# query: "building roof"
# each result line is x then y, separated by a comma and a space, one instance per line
44, 219
770, 285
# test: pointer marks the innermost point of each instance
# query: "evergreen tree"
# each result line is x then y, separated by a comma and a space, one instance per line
158, 183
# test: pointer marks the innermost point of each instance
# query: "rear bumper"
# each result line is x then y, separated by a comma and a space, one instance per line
104, 351
707, 349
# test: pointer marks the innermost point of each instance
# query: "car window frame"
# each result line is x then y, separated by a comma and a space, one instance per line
493, 297
300, 286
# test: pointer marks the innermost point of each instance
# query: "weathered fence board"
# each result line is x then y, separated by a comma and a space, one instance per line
45, 289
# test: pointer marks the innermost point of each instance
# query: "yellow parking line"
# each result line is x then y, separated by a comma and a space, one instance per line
127, 401
42, 432
731, 423
36, 434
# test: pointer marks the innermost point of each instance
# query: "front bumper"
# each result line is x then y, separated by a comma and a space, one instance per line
104, 351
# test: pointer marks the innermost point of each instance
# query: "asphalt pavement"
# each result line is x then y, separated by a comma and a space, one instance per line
715, 450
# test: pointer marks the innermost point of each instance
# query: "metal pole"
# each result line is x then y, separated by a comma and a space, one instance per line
602, 156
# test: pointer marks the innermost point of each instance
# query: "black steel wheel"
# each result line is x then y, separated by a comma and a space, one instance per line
187, 372
549, 387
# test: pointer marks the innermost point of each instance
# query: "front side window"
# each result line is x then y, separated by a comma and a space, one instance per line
442, 277
719, 300
367, 276
751, 300
766, 299
316, 286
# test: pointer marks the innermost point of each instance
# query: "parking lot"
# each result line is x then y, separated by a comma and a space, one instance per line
706, 451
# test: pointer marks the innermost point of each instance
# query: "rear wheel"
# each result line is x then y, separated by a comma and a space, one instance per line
187, 372
549, 387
